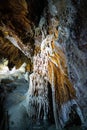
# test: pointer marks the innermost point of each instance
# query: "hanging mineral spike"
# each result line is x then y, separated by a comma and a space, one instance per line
49, 66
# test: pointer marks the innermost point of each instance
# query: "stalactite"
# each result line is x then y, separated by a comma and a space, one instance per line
50, 66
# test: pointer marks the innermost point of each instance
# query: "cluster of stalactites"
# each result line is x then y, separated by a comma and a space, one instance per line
50, 60
37, 97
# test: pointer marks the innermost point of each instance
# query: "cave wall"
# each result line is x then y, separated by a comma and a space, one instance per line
72, 36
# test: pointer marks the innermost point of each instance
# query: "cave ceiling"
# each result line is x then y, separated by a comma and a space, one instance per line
18, 19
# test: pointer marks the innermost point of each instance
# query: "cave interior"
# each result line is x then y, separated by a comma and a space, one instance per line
43, 65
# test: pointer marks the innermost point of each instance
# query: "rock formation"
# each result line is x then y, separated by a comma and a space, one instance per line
48, 36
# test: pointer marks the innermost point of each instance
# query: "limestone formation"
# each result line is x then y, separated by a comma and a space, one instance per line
49, 37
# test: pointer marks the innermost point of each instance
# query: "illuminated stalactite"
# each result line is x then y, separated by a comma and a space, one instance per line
50, 66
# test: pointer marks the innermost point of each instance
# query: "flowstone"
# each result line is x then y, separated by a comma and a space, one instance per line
49, 67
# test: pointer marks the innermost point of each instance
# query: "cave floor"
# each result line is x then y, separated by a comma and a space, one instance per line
16, 111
